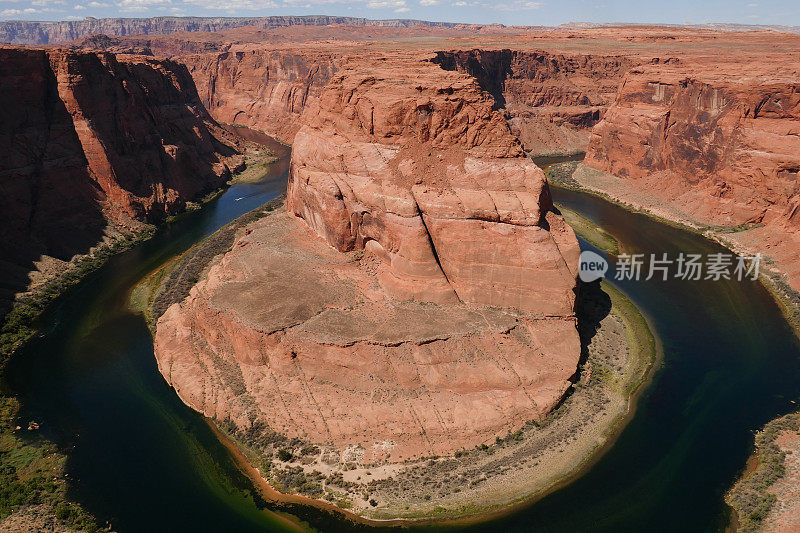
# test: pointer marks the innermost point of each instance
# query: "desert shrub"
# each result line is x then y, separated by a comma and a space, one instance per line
284, 454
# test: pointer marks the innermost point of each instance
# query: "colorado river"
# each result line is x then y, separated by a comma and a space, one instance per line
143, 461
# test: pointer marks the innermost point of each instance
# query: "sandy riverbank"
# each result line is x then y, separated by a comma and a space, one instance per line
619, 350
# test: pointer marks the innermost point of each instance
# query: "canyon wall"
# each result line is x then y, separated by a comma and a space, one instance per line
729, 138
259, 88
31, 32
722, 145
550, 99
91, 140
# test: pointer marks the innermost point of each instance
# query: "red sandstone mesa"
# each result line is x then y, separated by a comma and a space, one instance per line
456, 324
421, 171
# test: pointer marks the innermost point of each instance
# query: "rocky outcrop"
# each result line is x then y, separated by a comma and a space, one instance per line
259, 88
416, 299
92, 140
30, 32
551, 100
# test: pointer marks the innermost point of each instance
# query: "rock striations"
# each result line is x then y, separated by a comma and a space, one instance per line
421, 171
262, 89
720, 144
92, 139
415, 298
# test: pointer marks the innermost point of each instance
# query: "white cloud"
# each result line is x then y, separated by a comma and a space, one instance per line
384, 4
428, 2
753, 5
78, 7
513, 6
98, 4
459, 4
402, 10
43, 3
134, 6
27, 11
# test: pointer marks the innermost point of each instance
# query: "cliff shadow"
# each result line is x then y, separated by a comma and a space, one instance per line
49, 203
592, 305
490, 68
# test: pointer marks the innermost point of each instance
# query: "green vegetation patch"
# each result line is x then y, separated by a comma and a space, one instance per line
750, 497
787, 298
590, 231
32, 472
257, 167
560, 174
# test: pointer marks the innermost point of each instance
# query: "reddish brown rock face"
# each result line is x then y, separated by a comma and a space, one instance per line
720, 144
551, 100
92, 139
719, 134
259, 88
288, 331
422, 172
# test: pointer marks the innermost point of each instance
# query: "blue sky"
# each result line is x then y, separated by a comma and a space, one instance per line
526, 12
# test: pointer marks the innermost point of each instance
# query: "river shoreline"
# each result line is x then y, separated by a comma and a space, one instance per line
561, 463
19, 327
745, 515
772, 279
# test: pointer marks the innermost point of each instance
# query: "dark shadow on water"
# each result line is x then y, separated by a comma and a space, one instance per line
592, 306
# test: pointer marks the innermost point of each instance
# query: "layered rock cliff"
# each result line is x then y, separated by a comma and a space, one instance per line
92, 141
437, 149
259, 88
721, 145
416, 297
31, 32
551, 100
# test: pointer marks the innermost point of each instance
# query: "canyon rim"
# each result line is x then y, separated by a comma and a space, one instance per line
411, 308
